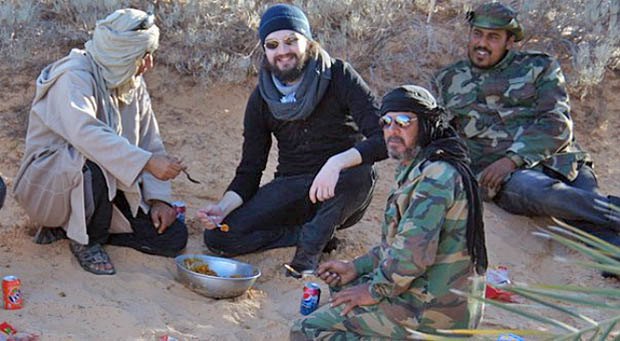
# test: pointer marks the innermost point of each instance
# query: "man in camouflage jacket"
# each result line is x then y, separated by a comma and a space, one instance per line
512, 109
432, 239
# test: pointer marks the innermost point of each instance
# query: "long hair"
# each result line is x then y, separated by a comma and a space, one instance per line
312, 51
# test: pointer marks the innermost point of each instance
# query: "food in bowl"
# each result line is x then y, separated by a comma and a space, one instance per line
196, 265
232, 278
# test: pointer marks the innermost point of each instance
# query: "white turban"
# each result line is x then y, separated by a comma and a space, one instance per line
118, 45
120, 41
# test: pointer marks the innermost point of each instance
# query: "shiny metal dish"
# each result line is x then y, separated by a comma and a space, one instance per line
234, 277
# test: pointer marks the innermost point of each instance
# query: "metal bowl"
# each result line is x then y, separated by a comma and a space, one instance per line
233, 277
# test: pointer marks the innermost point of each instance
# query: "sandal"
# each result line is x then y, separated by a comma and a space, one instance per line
48, 235
93, 258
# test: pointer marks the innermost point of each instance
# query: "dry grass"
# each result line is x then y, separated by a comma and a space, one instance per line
388, 41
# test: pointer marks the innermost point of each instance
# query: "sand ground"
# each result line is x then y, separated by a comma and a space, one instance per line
144, 301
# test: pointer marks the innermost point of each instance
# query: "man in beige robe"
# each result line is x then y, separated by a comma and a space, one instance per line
95, 163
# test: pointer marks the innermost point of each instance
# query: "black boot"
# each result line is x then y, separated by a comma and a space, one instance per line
605, 233
303, 261
2, 192
332, 245
614, 211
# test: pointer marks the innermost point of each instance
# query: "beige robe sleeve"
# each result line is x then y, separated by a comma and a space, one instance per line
150, 140
71, 113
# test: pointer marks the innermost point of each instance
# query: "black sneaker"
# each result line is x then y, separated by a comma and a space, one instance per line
332, 245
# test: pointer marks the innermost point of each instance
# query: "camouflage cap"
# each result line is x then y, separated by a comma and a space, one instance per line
495, 15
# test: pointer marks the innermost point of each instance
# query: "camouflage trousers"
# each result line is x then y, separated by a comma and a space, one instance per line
362, 323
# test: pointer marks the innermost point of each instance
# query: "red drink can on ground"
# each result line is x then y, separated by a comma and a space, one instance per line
11, 293
310, 299
180, 207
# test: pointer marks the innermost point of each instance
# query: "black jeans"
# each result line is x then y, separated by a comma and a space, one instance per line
534, 193
281, 214
144, 237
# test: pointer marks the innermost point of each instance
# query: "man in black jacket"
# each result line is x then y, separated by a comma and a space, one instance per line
325, 121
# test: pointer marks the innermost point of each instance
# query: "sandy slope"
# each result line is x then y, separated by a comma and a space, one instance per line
143, 301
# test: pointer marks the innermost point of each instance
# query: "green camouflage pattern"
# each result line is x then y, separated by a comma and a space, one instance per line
422, 255
520, 106
495, 15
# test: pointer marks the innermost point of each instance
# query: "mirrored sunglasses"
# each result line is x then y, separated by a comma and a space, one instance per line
273, 44
402, 121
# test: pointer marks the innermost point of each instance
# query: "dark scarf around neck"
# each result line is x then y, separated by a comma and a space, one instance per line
316, 78
447, 146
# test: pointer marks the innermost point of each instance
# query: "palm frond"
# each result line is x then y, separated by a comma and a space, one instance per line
584, 298
567, 300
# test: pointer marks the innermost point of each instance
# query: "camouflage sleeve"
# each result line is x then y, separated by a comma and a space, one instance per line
415, 245
437, 90
368, 262
552, 128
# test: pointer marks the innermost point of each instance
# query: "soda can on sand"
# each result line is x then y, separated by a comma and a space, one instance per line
168, 338
11, 293
310, 299
180, 207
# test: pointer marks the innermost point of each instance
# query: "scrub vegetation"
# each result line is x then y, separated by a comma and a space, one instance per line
388, 41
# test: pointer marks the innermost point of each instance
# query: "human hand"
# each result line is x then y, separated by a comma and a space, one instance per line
210, 216
324, 184
335, 272
352, 297
164, 167
162, 215
493, 176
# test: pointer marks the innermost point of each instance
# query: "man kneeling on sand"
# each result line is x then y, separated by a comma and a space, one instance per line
432, 239
94, 162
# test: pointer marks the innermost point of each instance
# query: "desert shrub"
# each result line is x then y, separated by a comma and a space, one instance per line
210, 40
586, 32
389, 42
16, 31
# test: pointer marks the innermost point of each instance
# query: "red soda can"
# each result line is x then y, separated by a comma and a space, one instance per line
11, 293
179, 206
310, 299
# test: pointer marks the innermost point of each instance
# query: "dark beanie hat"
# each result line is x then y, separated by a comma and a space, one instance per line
283, 17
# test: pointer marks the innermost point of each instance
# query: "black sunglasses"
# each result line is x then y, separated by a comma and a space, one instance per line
402, 121
273, 44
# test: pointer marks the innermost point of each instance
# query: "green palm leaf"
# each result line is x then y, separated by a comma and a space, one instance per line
567, 301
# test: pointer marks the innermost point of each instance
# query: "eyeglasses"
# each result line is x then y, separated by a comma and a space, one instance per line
402, 121
273, 44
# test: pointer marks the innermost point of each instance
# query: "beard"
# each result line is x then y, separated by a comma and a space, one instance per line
492, 59
291, 75
127, 90
407, 155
